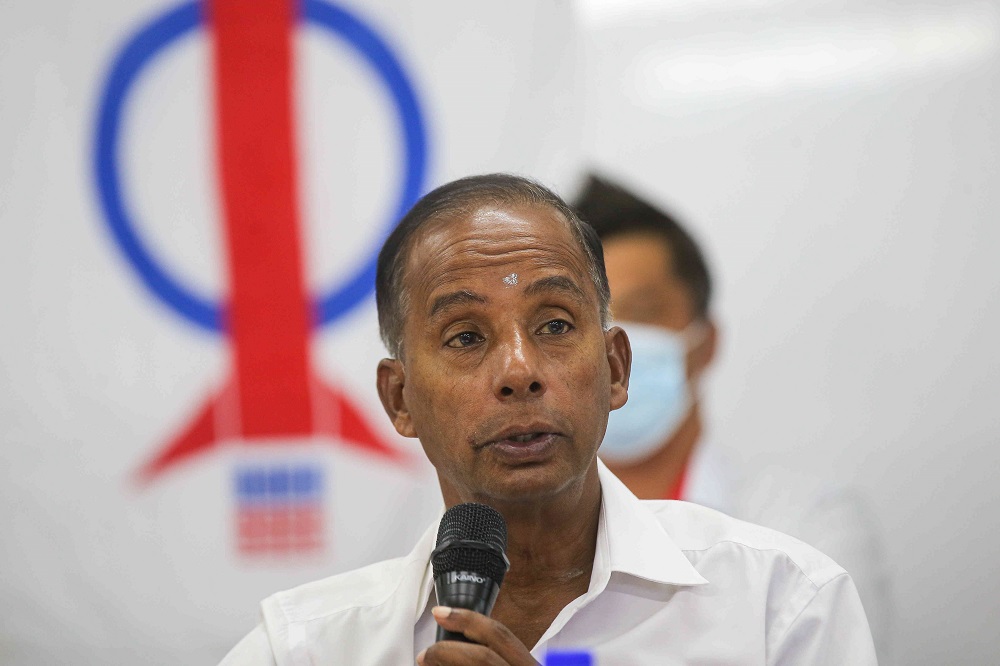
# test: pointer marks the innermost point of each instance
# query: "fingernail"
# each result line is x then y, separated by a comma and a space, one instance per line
441, 612
420, 657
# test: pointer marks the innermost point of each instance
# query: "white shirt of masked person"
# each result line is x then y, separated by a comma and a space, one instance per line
672, 583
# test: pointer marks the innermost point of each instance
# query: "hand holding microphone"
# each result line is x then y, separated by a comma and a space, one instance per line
469, 564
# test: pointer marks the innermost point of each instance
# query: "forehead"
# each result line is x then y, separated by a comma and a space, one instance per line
490, 238
638, 257
644, 282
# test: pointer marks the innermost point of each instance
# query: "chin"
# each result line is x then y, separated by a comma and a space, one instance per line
529, 484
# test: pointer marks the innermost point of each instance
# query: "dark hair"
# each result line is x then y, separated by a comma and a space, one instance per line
465, 196
612, 210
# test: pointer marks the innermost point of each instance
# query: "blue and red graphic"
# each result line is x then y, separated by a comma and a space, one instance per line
273, 393
279, 509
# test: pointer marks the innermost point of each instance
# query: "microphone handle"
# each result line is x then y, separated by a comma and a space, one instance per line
478, 597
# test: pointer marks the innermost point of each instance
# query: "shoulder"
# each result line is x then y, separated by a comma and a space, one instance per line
368, 587
704, 534
324, 601
344, 617
362, 616
801, 597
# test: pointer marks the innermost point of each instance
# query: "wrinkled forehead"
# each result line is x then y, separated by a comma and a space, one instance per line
492, 236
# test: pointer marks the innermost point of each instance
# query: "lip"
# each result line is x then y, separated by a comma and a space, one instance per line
539, 446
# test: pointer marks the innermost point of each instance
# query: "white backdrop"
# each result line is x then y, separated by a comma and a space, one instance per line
97, 374
840, 163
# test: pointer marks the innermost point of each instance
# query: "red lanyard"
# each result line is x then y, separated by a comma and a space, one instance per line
676, 491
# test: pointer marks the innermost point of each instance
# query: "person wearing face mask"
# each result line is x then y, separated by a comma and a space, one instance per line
651, 442
661, 290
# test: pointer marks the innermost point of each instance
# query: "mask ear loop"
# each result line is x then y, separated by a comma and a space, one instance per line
693, 335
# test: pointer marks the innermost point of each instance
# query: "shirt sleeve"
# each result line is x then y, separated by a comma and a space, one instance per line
838, 521
253, 650
831, 630
843, 527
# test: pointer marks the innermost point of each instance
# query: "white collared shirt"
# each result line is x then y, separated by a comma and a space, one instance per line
831, 516
672, 583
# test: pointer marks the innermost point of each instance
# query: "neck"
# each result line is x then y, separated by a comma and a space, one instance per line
555, 539
654, 477
551, 545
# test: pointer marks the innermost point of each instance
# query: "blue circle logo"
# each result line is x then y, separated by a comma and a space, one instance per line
141, 50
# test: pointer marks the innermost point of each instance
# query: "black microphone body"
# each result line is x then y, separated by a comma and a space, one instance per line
465, 589
469, 561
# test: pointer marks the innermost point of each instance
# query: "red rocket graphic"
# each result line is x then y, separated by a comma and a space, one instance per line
273, 391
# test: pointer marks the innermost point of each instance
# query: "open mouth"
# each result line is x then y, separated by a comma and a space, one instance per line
524, 442
526, 438
524, 446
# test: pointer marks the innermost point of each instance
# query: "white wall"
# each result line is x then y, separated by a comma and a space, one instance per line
840, 162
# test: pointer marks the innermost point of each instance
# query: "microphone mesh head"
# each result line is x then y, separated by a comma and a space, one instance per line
472, 522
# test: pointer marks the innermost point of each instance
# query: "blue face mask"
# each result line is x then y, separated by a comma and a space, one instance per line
658, 396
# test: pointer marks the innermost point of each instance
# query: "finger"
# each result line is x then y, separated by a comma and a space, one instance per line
453, 653
485, 631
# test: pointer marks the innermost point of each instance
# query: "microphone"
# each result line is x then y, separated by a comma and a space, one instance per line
470, 561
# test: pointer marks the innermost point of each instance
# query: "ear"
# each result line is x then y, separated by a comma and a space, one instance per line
619, 353
700, 357
390, 380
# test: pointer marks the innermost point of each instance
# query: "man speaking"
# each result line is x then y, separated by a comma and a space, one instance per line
493, 302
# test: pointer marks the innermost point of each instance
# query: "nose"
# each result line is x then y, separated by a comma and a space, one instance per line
518, 374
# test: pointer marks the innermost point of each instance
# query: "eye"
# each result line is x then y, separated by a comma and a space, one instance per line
464, 339
557, 327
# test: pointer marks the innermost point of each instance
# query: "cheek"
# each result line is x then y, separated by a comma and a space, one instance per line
435, 403
588, 380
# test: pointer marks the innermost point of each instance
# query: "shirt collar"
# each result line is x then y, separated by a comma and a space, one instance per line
630, 540
423, 550
633, 540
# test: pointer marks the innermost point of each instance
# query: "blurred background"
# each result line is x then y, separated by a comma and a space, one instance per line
837, 160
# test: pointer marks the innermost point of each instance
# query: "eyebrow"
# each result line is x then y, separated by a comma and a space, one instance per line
558, 283
455, 298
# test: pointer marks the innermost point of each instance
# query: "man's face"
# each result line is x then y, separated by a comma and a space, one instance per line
644, 286
645, 289
506, 375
